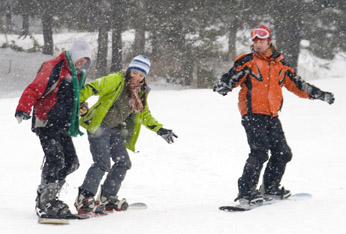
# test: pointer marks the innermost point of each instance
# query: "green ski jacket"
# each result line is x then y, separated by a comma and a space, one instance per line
108, 88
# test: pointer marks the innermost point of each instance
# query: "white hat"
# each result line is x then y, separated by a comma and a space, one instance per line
140, 63
80, 49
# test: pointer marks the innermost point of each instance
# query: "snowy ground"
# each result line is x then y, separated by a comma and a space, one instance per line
184, 183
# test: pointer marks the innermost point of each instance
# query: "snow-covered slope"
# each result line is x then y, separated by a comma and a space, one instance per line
184, 183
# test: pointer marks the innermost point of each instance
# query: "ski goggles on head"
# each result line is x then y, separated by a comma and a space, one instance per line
260, 33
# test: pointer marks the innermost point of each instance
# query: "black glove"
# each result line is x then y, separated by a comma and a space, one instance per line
222, 88
20, 115
328, 97
167, 134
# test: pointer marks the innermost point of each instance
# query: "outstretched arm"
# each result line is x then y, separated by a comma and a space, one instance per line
303, 89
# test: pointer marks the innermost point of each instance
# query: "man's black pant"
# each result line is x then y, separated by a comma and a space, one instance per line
264, 133
60, 155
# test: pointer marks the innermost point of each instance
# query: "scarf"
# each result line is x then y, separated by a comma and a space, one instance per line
74, 122
135, 100
268, 53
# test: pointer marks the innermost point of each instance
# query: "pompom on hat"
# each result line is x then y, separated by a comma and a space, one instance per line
140, 63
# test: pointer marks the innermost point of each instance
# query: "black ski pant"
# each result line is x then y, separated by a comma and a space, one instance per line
60, 156
264, 133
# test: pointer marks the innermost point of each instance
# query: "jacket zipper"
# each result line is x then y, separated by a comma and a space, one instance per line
271, 113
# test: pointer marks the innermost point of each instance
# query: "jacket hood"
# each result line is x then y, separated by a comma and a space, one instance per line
80, 49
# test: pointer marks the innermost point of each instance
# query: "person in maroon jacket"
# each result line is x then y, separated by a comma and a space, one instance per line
54, 97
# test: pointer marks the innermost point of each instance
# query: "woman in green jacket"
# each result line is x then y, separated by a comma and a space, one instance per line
113, 124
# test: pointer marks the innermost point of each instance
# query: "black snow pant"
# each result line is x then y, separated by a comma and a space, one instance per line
264, 133
106, 144
60, 156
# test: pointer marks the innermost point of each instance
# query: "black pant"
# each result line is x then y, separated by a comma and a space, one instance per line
264, 133
60, 155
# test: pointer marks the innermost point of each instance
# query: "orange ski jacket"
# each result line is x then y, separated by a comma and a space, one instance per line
261, 79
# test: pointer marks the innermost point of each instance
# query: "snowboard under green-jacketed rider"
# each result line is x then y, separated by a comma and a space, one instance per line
113, 124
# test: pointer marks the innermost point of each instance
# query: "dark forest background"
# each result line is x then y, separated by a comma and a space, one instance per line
180, 35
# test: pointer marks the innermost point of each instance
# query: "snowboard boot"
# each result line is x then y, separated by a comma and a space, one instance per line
85, 204
276, 193
250, 198
48, 205
111, 202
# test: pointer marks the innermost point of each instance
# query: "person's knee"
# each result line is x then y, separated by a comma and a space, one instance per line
257, 156
123, 161
72, 166
283, 155
286, 156
102, 166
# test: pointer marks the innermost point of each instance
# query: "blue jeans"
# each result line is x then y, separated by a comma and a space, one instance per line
106, 144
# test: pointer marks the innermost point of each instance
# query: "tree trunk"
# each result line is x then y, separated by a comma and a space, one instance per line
187, 65
47, 28
25, 26
103, 24
232, 38
155, 44
155, 31
287, 23
8, 16
139, 43
181, 51
288, 42
117, 28
117, 57
101, 63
